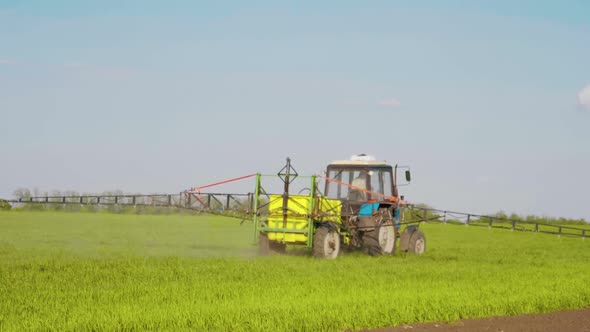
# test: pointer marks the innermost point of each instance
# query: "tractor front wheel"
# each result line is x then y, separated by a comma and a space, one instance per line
326, 243
417, 243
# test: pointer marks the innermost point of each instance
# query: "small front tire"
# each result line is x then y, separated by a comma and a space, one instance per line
417, 243
326, 243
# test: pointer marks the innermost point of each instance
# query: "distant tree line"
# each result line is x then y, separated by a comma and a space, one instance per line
144, 203
24, 194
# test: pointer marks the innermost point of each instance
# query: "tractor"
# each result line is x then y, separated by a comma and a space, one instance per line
358, 209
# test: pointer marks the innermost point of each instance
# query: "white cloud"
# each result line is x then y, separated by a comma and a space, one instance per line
7, 62
7, 12
75, 65
584, 98
99, 71
392, 102
482, 179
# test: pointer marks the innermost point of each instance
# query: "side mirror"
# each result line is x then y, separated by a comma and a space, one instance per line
408, 176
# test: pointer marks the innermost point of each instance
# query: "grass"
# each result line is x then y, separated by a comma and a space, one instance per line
83, 271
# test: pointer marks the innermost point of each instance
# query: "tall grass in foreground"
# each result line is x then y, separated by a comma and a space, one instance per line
65, 271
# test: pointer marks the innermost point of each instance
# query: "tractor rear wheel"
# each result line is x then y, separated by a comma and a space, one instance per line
387, 239
404, 240
326, 243
267, 247
417, 243
379, 241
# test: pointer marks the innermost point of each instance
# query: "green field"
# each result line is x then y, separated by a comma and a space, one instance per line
96, 271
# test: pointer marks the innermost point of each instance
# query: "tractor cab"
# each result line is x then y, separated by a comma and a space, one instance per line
362, 179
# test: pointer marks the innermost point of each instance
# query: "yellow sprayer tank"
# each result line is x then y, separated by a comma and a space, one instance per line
298, 206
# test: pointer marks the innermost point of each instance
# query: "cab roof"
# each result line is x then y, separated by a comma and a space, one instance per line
359, 163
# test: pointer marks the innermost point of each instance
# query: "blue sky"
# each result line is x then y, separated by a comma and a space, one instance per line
484, 99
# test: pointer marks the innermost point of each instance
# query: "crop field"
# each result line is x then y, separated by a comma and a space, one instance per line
99, 271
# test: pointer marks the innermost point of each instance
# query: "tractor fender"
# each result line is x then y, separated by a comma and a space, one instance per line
330, 225
387, 205
366, 224
411, 228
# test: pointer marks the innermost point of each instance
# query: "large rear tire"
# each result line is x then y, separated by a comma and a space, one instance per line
326, 243
371, 243
404, 240
379, 241
267, 247
387, 239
